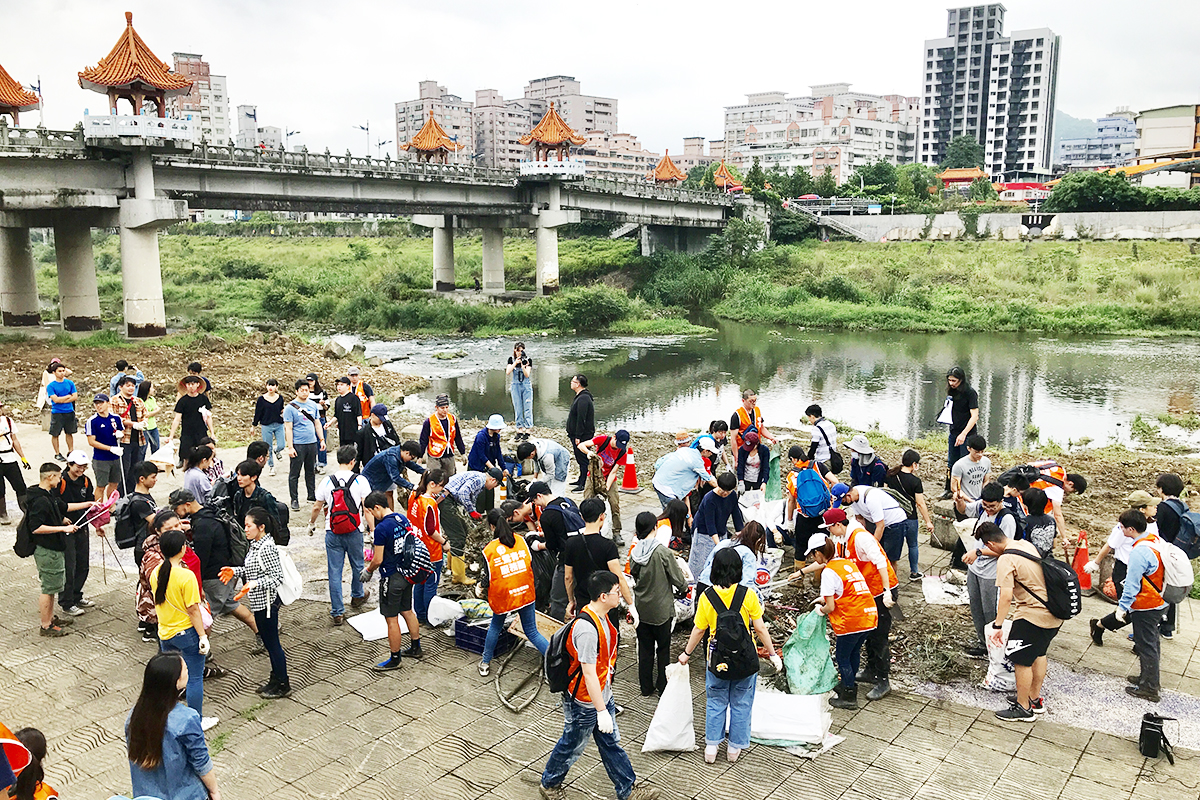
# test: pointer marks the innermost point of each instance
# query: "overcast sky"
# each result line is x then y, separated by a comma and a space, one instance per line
324, 68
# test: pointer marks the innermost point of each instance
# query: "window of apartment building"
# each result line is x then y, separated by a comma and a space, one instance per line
929, 53
1040, 42
1003, 58
1037, 80
1037, 67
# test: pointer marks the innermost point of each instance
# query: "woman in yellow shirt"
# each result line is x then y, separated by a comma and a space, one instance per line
177, 603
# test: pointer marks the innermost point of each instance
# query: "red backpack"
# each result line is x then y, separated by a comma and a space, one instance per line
344, 516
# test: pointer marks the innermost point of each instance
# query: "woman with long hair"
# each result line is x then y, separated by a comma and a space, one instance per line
520, 370
30, 783
263, 573
672, 525
424, 515
750, 545
964, 417
164, 739
177, 604
510, 587
194, 478
903, 478
145, 393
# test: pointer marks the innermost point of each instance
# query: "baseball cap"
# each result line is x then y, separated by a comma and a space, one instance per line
78, 457
838, 490
495, 422
379, 410
816, 542
750, 440
344, 380
100, 398
180, 497
538, 487
442, 400
622, 437
859, 444
1139, 499
832, 517
707, 443
352, 371
495, 474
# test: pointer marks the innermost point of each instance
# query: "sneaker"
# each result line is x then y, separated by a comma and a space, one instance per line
265, 687
214, 672
208, 722
295, 505
1014, 713
1037, 705
413, 650
359, 602
74, 611
60, 457
54, 631
3, 517
485, 669
1144, 694
647, 792
732, 754
339, 619
710, 754
1167, 634
85, 603
552, 792
976, 652
320, 469
149, 635
576, 489
1097, 632
392, 662
915, 576
271, 471
259, 648
1133, 679
277, 692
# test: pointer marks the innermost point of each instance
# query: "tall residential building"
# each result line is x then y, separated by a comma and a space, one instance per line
583, 112
207, 103
693, 154
1114, 144
832, 128
451, 112
1173, 129
251, 134
998, 89
499, 123
616, 155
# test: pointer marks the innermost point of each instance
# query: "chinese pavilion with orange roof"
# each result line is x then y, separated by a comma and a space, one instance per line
14, 98
431, 142
131, 71
551, 134
723, 179
956, 176
666, 171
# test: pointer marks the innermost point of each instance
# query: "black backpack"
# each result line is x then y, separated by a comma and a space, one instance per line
734, 656
572, 518
1063, 597
557, 661
235, 534
126, 529
24, 545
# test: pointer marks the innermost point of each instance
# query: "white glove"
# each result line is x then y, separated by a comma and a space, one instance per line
1121, 614
204, 646
741, 487
116, 449
364, 576
604, 721
777, 663
138, 426
819, 607
1091, 568
633, 612
888, 600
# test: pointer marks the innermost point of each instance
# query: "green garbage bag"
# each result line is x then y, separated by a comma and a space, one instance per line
806, 658
773, 490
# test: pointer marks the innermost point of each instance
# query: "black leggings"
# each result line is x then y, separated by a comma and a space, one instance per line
268, 629
12, 472
651, 638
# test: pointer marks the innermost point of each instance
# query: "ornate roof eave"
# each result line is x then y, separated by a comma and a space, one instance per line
15, 96
131, 64
552, 130
432, 136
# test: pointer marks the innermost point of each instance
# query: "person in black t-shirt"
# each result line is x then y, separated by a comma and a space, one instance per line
347, 412
46, 520
77, 490
193, 417
904, 480
964, 417
590, 552
141, 504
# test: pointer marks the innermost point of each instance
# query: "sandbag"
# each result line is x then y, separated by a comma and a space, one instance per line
810, 669
443, 610
672, 728
785, 720
1000, 674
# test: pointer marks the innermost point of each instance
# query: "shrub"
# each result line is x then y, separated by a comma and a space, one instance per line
242, 268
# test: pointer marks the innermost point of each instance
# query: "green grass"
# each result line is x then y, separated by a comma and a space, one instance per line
219, 742
1188, 420
251, 713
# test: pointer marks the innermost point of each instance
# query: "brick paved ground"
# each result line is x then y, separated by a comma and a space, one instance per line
435, 729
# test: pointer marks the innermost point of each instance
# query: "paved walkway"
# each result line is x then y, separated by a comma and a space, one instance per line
435, 729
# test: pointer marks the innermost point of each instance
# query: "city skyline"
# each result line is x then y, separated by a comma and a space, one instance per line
666, 93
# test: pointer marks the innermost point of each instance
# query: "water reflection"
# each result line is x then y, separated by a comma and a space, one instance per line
1068, 388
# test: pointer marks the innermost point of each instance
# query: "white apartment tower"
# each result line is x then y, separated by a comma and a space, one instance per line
499, 123
998, 89
251, 134
583, 112
451, 112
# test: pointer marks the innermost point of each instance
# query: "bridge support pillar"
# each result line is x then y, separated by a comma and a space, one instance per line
18, 282
78, 297
547, 260
142, 281
493, 260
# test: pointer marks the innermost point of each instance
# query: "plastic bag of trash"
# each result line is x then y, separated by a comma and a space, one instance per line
672, 728
806, 658
1000, 674
443, 610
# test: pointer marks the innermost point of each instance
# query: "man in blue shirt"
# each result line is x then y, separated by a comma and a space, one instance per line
62, 394
123, 368
1141, 603
676, 474
389, 468
712, 520
104, 431
303, 443
464, 488
395, 592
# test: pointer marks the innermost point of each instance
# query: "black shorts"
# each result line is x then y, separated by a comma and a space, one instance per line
395, 595
1027, 642
63, 422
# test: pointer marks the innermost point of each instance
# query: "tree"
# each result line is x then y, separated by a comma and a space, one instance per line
1094, 191
982, 189
875, 179
695, 177
755, 178
825, 185
920, 177
706, 182
779, 181
739, 239
788, 227
963, 152
802, 182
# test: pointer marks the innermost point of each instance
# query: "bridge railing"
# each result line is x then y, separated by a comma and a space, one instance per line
31, 140
635, 188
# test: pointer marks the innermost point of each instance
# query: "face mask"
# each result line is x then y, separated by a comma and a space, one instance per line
182, 694
866, 459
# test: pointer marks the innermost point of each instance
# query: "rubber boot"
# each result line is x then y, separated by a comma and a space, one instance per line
458, 572
880, 690
847, 697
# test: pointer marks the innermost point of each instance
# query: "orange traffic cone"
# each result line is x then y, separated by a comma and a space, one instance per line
1081, 560
629, 481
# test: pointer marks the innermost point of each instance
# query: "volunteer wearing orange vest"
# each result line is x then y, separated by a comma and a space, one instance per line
510, 587
424, 515
855, 544
846, 599
588, 707
1057, 483
362, 390
439, 436
25, 751
748, 417
1141, 603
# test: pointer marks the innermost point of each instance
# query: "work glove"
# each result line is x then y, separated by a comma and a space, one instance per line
24, 463
604, 721
819, 607
475, 515
205, 647
777, 663
1091, 568
226, 574
633, 616
741, 487
1122, 615
365, 576
116, 449
245, 590
888, 600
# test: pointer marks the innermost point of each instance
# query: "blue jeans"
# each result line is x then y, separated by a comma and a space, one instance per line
522, 400
846, 650
912, 529
273, 436
663, 499
187, 644
579, 720
423, 594
738, 697
528, 617
323, 455
337, 547
562, 464
954, 451
153, 440
893, 540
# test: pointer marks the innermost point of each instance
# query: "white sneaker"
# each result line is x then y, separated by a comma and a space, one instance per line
272, 472
85, 603
208, 722
320, 469
74, 611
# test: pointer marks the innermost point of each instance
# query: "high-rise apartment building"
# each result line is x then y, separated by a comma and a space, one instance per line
251, 134
616, 155
499, 123
208, 102
997, 89
1114, 144
583, 112
451, 112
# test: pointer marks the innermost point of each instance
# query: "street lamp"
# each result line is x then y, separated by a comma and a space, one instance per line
287, 135
367, 128
380, 145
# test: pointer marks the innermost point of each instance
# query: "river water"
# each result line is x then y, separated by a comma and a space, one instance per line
1068, 388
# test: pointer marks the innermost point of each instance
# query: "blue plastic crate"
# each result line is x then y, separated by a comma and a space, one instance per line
472, 636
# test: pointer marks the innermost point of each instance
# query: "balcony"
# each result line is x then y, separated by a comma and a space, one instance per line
108, 129
553, 168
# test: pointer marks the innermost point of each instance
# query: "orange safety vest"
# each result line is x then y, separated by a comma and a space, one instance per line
855, 610
363, 399
439, 442
744, 422
1149, 597
606, 658
1052, 475
510, 570
847, 550
419, 507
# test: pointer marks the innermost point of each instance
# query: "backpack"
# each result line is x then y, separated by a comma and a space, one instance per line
836, 462
24, 545
127, 529
414, 563
572, 518
904, 501
734, 656
1030, 473
1063, 598
1018, 523
1177, 572
344, 516
812, 495
235, 534
557, 661
1188, 538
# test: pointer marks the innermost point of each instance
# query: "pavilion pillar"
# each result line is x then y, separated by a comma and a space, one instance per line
78, 297
141, 276
493, 260
18, 281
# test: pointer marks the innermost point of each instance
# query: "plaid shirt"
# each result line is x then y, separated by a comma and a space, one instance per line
465, 487
262, 565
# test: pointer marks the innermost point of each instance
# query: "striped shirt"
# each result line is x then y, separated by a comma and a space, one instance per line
262, 565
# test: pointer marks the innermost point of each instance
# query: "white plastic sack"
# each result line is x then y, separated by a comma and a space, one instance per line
1000, 675
789, 719
671, 728
938, 592
768, 513
164, 454
443, 610
606, 530
768, 566
372, 625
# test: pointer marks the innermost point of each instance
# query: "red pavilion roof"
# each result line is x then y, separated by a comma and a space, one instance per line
132, 62
552, 130
14, 96
432, 136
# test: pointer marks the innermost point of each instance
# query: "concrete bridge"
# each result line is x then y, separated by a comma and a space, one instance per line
141, 174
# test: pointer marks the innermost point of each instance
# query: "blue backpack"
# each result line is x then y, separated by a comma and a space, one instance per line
812, 495
1188, 538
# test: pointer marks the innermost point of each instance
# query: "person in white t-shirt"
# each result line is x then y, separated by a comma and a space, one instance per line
824, 435
881, 515
10, 470
1119, 544
339, 545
